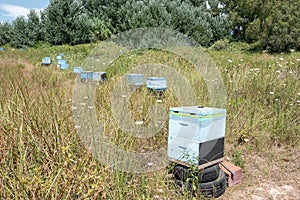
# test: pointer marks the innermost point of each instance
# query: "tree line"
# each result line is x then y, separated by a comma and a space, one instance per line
273, 25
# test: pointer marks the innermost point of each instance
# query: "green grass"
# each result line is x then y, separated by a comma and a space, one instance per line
42, 157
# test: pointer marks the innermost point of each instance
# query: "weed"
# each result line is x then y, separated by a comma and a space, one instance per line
41, 155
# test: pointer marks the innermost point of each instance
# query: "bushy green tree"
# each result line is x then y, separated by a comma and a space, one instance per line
272, 25
5, 33
34, 26
20, 34
65, 22
279, 31
183, 16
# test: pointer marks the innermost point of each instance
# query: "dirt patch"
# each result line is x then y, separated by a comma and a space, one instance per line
273, 175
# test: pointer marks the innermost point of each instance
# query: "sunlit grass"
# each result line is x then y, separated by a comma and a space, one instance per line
41, 156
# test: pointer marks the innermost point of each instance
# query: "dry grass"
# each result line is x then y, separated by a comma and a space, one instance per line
42, 157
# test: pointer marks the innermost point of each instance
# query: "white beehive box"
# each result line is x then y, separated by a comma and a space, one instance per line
156, 83
196, 134
135, 79
46, 61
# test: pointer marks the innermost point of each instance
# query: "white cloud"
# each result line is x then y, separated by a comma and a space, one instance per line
14, 11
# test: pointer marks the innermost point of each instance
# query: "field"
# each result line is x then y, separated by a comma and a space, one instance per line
42, 156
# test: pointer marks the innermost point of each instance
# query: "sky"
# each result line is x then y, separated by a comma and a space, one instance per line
10, 9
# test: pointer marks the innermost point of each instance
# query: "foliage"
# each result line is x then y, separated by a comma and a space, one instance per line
83, 21
272, 25
266, 25
42, 156
220, 45
5, 33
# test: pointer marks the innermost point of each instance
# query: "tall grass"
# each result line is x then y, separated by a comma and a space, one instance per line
42, 157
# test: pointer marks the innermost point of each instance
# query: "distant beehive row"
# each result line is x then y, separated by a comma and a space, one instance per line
85, 76
152, 83
134, 80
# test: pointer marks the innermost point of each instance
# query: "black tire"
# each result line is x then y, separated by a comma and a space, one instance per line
208, 174
181, 173
214, 188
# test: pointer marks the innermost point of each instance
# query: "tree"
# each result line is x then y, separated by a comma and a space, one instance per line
34, 27
19, 37
279, 30
5, 33
66, 22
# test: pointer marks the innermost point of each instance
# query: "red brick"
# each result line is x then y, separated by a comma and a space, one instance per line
233, 173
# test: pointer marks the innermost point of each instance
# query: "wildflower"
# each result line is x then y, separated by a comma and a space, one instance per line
230, 81
256, 69
277, 71
283, 84
139, 122
160, 190
298, 59
280, 65
229, 60
292, 63
299, 93
276, 99
281, 59
298, 101
271, 92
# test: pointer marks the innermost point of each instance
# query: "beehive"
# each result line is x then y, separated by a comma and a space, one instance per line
99, 76
46, 61
196, 135
64, 66
156, 83
78, 70
59, 57
86, 75
1, 49
135, 79
60, 62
